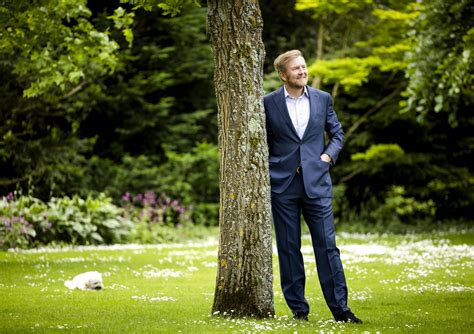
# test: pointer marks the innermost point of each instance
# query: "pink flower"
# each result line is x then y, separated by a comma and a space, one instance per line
150, 198
126, 197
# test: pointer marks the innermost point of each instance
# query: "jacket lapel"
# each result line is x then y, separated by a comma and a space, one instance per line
280, 102
315, 107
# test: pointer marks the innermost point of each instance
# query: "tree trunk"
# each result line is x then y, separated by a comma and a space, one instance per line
319, 51
244, 284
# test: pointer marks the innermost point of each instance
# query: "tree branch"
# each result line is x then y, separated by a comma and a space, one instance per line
377, 106
75, 89
7, 182
350, 176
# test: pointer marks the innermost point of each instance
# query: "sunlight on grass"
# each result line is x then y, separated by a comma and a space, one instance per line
408, 283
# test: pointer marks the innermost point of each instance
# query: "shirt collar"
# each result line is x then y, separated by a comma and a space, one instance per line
305, 92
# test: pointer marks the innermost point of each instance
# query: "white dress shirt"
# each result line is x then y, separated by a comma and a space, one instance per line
298, 108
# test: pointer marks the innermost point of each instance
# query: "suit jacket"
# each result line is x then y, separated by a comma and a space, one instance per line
287, 151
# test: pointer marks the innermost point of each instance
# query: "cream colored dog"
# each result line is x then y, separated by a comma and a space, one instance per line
91, 280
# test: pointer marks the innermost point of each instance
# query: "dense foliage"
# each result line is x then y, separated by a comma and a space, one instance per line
139, 218
367, 61
29, 221
65, 133
441, 66
101, 97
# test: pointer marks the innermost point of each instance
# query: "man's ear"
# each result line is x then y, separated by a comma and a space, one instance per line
282, 76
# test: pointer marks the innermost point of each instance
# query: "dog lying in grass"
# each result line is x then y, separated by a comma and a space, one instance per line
91, 280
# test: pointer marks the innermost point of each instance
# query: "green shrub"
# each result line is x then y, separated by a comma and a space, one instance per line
134, 174
206, 214
192, 176
396, 212
15, 232
87, 221
20, 220
150, 209
144, 233
26, 221
400, 207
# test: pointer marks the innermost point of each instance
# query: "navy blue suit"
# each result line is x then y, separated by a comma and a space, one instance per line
307, 192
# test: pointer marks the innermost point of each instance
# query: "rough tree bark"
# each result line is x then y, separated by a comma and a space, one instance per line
244, 283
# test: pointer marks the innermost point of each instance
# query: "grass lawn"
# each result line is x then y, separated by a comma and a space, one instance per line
397, 284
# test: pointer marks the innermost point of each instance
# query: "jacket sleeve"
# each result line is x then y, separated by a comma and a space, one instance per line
334, 131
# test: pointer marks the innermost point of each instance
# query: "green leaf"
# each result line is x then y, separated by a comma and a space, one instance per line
75, 76
128, 33
111, 223
97, 237
380, 153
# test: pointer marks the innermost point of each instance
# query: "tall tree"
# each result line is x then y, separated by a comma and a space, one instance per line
244, 284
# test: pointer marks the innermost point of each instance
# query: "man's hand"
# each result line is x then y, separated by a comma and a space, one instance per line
326, 158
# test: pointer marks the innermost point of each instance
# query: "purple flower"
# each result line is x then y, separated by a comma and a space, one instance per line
150, 198
126, 197
138, 198
7, 223
18, 223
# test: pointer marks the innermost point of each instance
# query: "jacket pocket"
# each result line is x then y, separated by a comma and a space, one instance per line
324, 163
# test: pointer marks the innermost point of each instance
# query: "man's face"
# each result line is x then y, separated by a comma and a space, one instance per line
296, 75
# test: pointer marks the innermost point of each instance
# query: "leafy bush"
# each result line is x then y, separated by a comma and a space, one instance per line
384, 153
27, 221
206, 214
87, 221
164, 219
151, 209
15, 232
400, 207
20, 221
192, 176
133, 174
396, 212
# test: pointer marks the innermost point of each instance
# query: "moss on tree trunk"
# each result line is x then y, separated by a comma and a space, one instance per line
244, 284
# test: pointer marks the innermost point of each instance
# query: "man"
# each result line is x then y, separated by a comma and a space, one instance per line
297, 117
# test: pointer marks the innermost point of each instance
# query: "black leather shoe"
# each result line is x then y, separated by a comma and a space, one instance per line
300, 316
348, 316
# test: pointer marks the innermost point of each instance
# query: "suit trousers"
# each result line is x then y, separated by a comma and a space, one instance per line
287, 208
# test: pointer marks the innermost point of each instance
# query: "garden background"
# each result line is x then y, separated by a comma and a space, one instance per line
108, 125
100, 99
